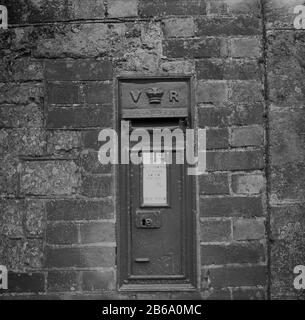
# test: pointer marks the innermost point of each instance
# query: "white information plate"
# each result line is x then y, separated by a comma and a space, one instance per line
154, 179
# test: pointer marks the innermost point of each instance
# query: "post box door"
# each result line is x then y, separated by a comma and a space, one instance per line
157, 247
159, 234
156, 219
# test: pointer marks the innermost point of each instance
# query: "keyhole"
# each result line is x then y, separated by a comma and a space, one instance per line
146, 222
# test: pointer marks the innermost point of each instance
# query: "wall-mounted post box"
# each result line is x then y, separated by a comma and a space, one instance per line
156, 212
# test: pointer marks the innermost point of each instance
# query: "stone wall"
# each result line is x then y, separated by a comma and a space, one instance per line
286, 79
59, 62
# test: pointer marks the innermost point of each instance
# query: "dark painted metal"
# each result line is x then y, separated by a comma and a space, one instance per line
157, 244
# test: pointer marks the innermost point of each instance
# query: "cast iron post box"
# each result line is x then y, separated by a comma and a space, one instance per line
156, 212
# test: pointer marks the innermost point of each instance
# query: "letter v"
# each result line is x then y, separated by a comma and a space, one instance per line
135, 97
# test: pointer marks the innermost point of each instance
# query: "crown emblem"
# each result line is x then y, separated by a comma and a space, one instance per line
154, 95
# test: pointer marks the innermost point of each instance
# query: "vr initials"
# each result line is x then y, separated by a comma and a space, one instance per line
136, 95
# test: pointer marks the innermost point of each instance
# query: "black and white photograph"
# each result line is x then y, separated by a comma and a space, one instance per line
152, 150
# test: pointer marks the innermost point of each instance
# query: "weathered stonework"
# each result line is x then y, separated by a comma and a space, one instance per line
12, 93
285, 72
22, 255
25, 141
34, 218
64, 143
11, 219
57, 82
28, 116
49, 178
9, 176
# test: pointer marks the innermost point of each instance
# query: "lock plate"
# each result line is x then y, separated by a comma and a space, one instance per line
148, 220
